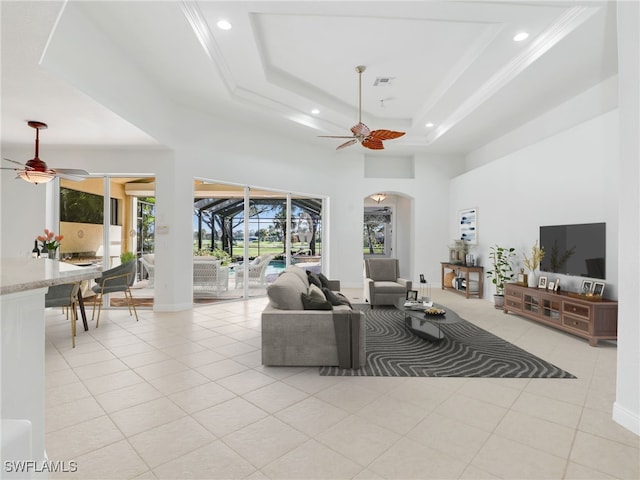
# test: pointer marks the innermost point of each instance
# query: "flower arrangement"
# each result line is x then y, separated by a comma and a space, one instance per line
50, 241
537, 254
217, 253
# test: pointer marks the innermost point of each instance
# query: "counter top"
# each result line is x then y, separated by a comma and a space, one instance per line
23, 274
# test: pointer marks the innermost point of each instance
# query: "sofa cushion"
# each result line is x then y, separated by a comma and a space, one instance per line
298, 272
383, 271
389, 287
310, 302
284, 293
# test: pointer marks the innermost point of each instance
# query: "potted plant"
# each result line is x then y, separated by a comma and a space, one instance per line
502, 271
533, 262
126, 257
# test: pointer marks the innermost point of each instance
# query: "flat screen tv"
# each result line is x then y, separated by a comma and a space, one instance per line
574, 249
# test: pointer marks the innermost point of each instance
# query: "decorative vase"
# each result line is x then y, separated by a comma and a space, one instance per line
533, 279
53, 252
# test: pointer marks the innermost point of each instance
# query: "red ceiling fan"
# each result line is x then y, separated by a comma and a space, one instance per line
361, 133
36, 171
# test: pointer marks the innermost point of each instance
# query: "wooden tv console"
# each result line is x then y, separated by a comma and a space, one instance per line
591, 319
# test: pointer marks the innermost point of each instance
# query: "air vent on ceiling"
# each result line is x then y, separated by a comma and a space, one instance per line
383, 81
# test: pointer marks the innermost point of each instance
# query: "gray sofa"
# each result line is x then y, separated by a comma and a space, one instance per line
295, 336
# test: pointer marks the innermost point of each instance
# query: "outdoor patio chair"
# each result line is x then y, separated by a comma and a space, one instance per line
148, 265
257, 271
116, 279
210, 277
65, 295
383, 285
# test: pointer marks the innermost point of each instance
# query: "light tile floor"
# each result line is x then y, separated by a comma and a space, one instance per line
184, 395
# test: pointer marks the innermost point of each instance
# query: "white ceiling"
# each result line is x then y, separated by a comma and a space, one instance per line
451, 63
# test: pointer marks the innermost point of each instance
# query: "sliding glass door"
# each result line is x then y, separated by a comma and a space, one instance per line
255, 234
103, 219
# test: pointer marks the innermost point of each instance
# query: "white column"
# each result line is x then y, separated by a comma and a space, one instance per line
626, 410
173, 240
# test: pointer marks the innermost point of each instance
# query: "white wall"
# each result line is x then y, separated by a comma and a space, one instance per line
567, 178
22, 213
587, 173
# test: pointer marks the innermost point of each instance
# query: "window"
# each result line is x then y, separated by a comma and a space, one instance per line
84, 207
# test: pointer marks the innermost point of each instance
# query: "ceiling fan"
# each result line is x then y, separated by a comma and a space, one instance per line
361, 133
36, 171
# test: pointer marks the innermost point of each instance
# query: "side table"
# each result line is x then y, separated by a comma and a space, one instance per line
466, 269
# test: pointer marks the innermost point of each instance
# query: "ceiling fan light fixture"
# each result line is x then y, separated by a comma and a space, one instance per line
371, 139
33, 176
378, 197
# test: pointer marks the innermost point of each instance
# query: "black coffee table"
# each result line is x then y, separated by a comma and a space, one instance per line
426, 326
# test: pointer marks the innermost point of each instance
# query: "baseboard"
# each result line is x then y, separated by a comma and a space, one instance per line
172, 307
625, 417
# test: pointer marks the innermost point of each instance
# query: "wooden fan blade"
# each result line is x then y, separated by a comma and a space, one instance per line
335, 136
13, 161
360, 129
372, 143
346, 144
386, 134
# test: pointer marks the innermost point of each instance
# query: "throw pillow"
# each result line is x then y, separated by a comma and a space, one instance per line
316, 292
312, 303
335, 298
313, 279
345, 300
283, 293
324, 280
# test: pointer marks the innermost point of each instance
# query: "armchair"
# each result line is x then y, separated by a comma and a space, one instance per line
116, 279
65, 295
383, 284
148, 265
257, 271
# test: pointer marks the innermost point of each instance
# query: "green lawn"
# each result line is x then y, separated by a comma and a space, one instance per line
261, 248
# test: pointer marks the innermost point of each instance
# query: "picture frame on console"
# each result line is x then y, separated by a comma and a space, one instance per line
552, 286
556, 286
542, 282
412, 295
598, 288
586, 287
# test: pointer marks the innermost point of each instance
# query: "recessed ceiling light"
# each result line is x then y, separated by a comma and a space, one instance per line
519, 37
429, 125
224, 24
315, 111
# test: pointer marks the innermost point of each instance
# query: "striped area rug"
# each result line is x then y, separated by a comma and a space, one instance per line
466, 351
